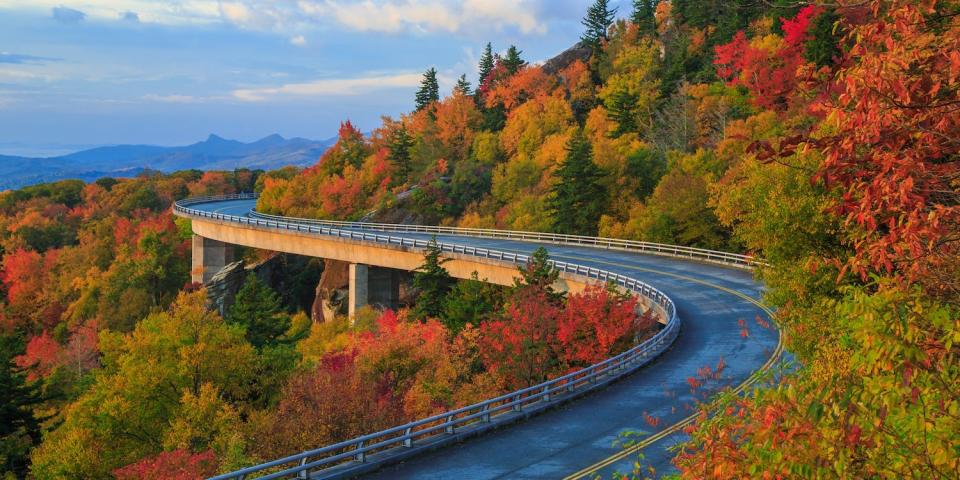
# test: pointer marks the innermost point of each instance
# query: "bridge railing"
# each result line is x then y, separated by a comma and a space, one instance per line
312, 463
699, 254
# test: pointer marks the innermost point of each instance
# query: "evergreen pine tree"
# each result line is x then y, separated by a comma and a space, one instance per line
486, 65
539, 274
19, 428
598, 20
429, 89
577, 197
463, 86
400, 143
470, 301
643, 16
433, 281
258, 308
512, 61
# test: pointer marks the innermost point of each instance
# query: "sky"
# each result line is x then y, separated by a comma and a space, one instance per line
75, 74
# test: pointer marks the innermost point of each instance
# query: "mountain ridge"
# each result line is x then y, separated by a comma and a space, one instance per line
214, 153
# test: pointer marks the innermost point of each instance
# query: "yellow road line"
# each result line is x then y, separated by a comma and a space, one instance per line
754, 377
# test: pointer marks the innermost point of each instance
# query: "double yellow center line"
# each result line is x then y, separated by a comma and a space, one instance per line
754, 377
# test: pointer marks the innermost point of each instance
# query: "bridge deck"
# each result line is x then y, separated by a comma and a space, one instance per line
710, 301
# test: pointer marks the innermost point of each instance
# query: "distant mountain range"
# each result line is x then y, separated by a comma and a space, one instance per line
214, 153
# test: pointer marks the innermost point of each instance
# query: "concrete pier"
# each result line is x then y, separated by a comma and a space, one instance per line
379, 287
209, 256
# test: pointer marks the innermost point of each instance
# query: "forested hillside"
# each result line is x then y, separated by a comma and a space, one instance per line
821, 137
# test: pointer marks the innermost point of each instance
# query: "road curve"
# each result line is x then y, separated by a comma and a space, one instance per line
717, 306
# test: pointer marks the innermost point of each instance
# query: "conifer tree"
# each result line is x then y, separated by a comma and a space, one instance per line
463, 86
433, 281
598, 20
470, 301
258, 308
643, 16
429, 89
538, 274
512, 61
577, 197
19, 428
486, 65
400, 143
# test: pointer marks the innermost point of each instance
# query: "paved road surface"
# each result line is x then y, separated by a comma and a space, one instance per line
710, 302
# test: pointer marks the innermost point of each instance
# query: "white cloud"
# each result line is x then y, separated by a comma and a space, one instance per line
298, 40
173, 98
286, 16
235, 12
330, 87
170, 12
394, 16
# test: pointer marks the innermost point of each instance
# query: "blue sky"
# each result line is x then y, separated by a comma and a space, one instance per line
169, 72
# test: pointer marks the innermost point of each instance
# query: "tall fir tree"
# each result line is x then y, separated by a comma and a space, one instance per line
471, 301
434, 283
538, 274
429, 90
598, 20
258, 308
512, 60
577, 197
462, 87
19, 428
399, 146
486, 66
643, 16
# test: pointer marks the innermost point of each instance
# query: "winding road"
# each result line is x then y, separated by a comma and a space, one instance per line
718, 307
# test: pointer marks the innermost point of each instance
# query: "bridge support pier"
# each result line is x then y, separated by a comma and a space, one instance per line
209, 256
375, 286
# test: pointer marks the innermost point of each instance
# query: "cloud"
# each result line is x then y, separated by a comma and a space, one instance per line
174, 98
19, 59
393, 16
130, 16
67, 15
330, 87
298, 40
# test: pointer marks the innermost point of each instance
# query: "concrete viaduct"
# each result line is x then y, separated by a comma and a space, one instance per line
713, 295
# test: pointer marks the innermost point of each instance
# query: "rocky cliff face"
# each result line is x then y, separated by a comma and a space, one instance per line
332, 291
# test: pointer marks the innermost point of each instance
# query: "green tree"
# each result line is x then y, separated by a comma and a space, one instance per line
433, 281
133, 402
463, 86
646, 167
539, 274
429, 90
400, 144
598, 20
19, 428
577, 198
643, 16
825, 36
486, 65
470, 301
258, 308
512, 60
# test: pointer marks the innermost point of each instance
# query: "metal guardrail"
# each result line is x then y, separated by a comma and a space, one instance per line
312, 463
699, 254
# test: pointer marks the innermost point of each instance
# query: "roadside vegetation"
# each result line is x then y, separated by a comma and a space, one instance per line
823, 138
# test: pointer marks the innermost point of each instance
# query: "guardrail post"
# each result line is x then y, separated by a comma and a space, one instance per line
546, 393
516, 406
305, 473
485, 418
361, 455
449, 421
408, 440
